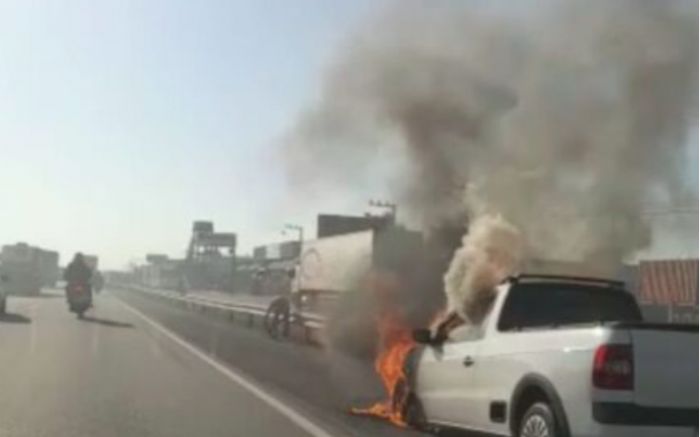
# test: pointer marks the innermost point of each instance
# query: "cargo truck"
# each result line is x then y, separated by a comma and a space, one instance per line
339, 263
28, 268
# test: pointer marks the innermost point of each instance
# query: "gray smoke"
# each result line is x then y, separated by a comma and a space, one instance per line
568, 117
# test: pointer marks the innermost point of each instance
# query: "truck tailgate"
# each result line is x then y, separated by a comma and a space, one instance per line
665, 365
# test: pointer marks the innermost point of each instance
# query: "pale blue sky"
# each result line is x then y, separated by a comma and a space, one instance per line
122, 121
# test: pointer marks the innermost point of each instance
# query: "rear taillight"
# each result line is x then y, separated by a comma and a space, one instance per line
613, 367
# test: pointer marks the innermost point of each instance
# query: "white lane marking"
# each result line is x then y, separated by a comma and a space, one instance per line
253, 388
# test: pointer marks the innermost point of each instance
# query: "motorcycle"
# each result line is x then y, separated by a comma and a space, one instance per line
79, 298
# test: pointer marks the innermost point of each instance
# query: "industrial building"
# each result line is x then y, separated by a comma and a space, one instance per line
666, 289
209, 263
160, 271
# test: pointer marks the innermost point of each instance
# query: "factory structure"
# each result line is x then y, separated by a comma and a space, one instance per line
209, 263
211, 258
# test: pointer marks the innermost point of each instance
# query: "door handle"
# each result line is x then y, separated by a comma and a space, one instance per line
468, 361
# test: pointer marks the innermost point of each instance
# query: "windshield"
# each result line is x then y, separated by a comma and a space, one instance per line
551, 305
230, 217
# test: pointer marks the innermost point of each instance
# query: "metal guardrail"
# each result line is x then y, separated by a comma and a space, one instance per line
312, 322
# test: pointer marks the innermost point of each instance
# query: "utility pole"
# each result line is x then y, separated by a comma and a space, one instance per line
388, 206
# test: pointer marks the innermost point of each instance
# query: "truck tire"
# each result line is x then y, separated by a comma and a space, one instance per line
538, 421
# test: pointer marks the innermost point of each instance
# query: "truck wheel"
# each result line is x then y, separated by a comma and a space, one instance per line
538, 421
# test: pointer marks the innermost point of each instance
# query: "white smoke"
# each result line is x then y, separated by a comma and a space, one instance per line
490, 252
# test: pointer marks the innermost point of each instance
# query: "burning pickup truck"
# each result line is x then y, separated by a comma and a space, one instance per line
555, 356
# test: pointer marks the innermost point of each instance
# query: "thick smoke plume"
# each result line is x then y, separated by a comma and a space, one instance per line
568, 116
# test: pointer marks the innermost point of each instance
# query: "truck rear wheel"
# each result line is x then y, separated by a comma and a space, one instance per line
538, 421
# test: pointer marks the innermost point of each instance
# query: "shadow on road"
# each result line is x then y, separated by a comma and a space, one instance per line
14, 318
106, 322
47, 296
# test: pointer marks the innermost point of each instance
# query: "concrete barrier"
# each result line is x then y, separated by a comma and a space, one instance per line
250, 314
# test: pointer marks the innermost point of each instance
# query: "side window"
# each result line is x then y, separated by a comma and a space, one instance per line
526, 307
541, 305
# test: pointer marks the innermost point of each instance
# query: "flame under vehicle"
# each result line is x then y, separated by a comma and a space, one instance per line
556, 356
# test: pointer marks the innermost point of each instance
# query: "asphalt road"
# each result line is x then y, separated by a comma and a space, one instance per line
152, 369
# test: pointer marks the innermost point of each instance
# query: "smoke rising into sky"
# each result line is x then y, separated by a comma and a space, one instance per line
490, 252
568, 118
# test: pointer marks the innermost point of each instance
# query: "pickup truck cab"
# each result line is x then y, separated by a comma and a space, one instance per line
559, 357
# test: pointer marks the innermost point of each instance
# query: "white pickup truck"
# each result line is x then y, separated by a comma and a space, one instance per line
558, 357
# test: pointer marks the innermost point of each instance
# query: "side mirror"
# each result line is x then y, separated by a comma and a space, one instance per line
422, 336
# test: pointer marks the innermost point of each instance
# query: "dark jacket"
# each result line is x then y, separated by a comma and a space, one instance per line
77, 272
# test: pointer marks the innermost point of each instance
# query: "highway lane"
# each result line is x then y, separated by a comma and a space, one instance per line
319, 383
115, 374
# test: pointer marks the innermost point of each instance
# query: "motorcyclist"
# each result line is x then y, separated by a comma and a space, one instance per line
78, 271
78, 276
285, 309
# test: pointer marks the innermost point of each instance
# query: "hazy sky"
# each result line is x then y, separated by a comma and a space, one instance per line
123, 121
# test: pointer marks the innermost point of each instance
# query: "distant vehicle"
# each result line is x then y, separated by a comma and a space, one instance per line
558, 356
3, 294
30, 268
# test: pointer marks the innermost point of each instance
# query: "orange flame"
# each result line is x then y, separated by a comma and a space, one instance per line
395, 344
